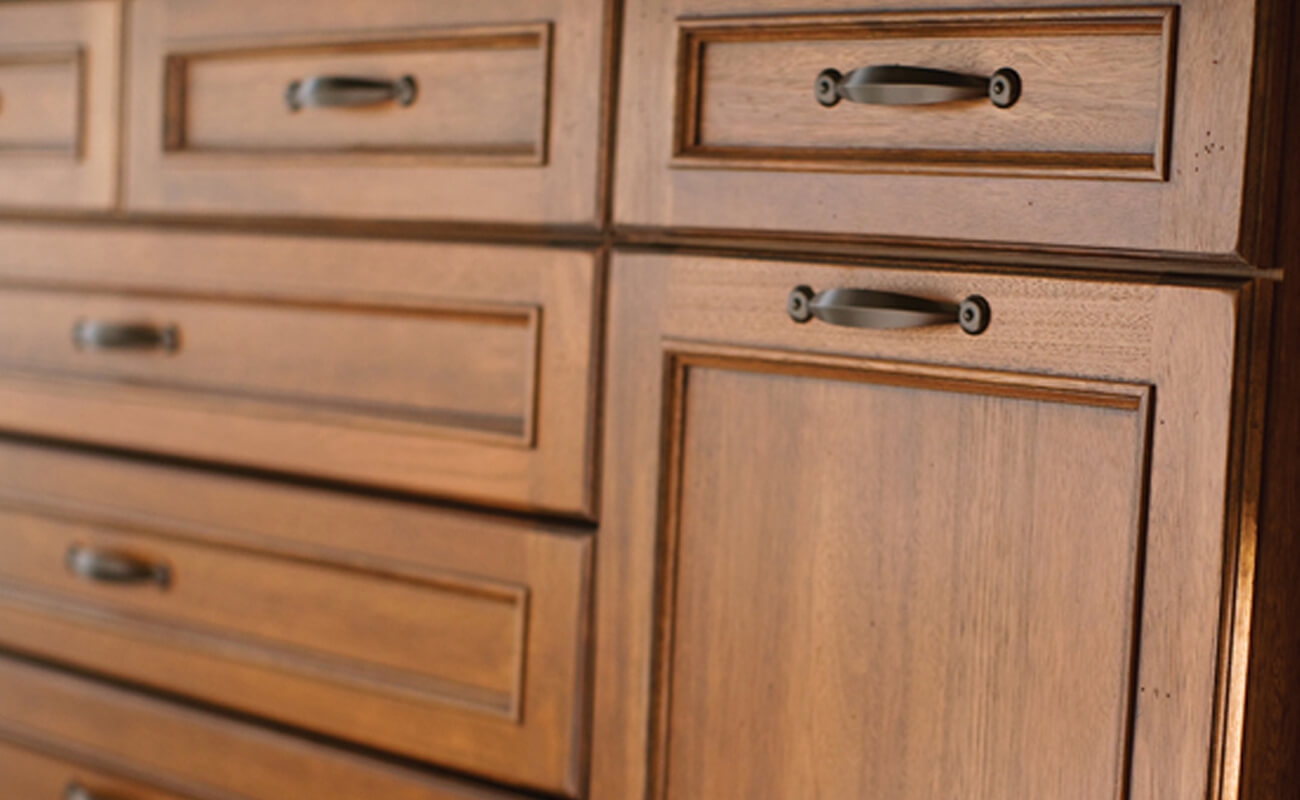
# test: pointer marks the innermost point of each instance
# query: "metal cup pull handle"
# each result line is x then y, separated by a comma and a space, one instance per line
346, 91
897, 85
866, 308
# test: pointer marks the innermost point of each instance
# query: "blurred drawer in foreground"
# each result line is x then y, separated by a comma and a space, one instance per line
448, 637
457, 370
71, 731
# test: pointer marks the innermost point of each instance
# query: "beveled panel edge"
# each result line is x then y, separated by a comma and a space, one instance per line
539, 36
74, 55
292, 660
694, 33
680, 356
343, 412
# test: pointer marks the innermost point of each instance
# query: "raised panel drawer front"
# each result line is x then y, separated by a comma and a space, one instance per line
908, 534
447, 637
445, 369
59, 64
1108, 125
67, 738
478, 112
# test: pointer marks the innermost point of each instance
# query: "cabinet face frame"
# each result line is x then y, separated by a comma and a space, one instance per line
1183, 343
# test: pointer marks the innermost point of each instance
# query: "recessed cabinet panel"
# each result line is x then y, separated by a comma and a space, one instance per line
915, 588
908, 534
59, 65
487, 112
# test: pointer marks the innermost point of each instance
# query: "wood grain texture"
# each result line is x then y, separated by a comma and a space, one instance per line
1082, 331
499, 133
1203, 208
1097, 86
59, 104
446, 369
916, 632
452, 638
194, 754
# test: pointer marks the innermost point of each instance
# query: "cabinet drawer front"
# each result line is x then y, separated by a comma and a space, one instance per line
1105, 136
59, 103
304, 608
968, 482
406, 111
444, 369
71, 722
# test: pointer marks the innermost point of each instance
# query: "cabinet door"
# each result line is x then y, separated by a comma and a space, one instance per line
911, 563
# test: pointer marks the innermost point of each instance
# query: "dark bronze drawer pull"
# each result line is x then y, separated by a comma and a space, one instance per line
342, 91
894, 85
90, 334
865, 308
114, 566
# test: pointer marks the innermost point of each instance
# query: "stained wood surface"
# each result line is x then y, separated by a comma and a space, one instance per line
501, 131
452, 638
846, 505
59, 104
456, 370
197, 753
1204, 207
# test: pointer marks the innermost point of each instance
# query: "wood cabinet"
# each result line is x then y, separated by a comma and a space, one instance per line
915, 563
649, 400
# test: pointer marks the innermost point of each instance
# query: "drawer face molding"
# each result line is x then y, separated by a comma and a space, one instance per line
59, 104
41, 108
464, 371
1095, 98
481, 96
453, 638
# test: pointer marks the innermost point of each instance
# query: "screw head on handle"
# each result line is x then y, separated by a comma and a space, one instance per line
1004, 87
827, 87
973, 315
799, 304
